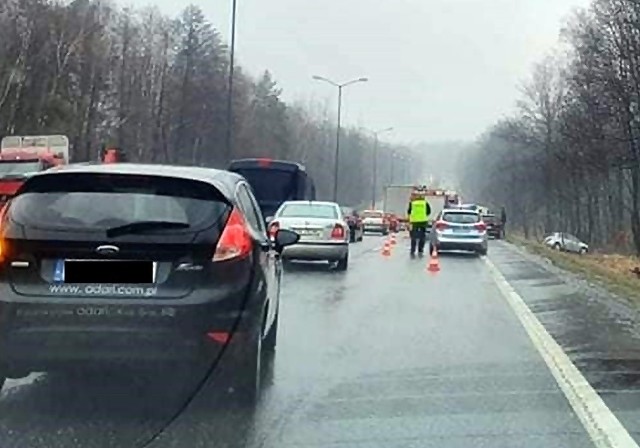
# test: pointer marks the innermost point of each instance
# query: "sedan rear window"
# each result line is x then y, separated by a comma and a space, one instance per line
461, 218
373, 215
99, 202
308, 211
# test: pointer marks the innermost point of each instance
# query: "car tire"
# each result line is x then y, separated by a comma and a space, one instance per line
482, 251
247, 384
557, 246
271, 340
583, 251
343, 264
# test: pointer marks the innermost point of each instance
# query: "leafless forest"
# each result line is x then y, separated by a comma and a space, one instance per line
569, 159
157, 86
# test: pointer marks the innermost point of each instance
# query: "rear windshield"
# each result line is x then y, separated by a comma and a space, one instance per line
461, 218
373, 215
271, 184
309, 211
97, 202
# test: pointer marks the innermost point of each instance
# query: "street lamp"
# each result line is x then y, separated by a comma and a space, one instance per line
375, 165
230, 81
337, 155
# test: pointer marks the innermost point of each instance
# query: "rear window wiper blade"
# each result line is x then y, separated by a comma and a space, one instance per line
144, 226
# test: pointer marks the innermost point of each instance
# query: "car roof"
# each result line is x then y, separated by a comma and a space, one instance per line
460, 210
312, 202
224, 181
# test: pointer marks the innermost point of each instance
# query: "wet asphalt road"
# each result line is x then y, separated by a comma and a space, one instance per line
384, 355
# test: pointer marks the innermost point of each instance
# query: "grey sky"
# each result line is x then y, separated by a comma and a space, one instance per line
438, 69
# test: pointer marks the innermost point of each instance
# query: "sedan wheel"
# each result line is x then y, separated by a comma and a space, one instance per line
343, 264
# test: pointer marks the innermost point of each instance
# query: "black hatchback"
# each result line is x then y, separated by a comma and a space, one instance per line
144, 265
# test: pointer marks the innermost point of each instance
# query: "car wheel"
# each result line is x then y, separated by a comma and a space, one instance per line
271, 340
247, 384
557, 246
344, 263
482, 251
583, 251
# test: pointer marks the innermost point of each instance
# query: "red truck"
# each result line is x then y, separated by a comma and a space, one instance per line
21, 156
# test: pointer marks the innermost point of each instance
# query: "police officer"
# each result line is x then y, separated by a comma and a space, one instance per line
418, 211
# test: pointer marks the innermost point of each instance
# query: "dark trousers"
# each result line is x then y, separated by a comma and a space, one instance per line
418, 237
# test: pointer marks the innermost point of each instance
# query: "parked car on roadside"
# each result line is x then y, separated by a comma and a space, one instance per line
566, 242
324, 234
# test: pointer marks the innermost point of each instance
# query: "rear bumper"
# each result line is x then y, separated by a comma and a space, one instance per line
316, 251
37, 337
376, 228
470, 244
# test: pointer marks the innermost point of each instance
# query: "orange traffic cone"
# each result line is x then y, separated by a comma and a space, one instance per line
434, 264
393, 239
386, 249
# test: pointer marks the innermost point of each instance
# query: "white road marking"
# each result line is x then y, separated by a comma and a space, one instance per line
602, 425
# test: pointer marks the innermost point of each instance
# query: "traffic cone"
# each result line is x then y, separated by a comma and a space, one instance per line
434, 264
393, 240
386, 249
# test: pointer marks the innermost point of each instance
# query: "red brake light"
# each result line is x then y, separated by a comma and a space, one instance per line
273, 229
264, 162
337, 232
235, 241
481, 226
441, 225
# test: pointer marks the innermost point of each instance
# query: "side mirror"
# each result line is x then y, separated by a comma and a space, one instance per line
269, 219
285, 238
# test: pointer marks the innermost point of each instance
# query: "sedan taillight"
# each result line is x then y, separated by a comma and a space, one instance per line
441, 225
481, 226
338, 232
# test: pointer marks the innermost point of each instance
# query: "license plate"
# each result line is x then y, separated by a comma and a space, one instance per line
460, 230
105, 271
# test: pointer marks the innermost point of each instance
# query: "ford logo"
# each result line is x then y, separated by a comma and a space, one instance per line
107, 250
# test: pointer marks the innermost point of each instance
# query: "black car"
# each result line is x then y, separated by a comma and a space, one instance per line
494, 226
275, 182
139, 265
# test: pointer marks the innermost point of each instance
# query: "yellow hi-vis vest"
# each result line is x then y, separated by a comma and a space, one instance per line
418, 211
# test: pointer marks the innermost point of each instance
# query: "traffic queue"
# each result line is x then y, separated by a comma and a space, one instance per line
107, 264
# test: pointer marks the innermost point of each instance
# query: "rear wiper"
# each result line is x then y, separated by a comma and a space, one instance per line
144, 226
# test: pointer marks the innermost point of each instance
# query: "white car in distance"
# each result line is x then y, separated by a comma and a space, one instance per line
324, 233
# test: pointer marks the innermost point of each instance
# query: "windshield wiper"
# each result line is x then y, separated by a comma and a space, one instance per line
144, 226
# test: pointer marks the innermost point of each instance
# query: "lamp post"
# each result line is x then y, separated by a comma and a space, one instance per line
375, 165
230, 81
337, 155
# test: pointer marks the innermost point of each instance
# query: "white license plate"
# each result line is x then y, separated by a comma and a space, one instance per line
460, 230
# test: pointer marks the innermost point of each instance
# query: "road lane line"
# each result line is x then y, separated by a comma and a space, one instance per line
603, 427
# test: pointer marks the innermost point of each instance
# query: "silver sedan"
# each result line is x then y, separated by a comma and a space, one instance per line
324, 234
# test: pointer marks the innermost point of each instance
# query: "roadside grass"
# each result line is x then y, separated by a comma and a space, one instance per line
613, 271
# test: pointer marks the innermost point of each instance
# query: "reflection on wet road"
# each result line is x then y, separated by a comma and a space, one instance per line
384, 355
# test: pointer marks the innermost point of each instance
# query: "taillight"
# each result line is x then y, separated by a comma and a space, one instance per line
441, 225
235, 241
337, 232
481, 226
273, 229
